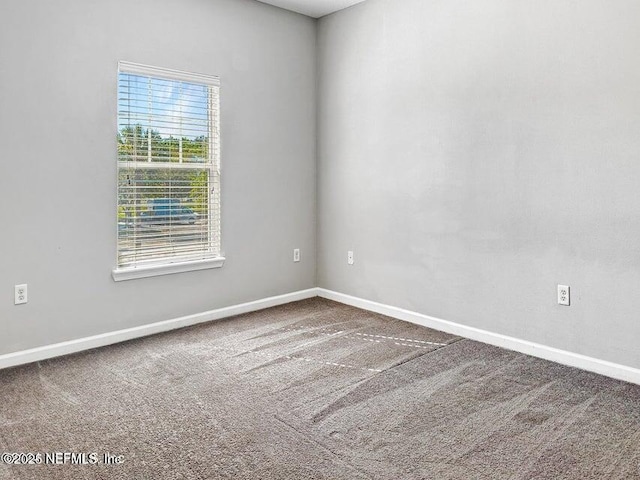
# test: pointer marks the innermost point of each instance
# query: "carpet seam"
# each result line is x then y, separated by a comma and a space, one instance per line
420, 355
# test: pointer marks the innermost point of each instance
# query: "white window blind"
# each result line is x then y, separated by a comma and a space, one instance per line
168, 167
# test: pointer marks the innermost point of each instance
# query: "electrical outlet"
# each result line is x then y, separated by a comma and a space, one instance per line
20, 294
296, 255
350, 260
564, 295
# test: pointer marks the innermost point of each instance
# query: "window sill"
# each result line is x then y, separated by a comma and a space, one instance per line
122, 274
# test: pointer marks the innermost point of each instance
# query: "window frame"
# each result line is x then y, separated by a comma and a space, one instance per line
172, 265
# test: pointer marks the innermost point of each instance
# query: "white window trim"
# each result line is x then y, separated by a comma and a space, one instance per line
177, 266
123, 274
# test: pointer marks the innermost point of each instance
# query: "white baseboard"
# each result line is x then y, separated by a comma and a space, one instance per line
74, 346
602, 367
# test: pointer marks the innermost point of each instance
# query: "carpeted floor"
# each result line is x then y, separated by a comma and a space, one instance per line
318, 390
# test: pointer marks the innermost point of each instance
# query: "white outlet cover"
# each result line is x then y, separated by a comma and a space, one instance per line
564, 295
350, 259
21, 294
296, 255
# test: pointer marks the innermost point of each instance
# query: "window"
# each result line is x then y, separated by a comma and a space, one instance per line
168, 172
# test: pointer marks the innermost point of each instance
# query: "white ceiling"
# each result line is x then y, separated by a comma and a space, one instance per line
313, 8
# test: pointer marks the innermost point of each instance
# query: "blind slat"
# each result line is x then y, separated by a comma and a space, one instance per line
168, 167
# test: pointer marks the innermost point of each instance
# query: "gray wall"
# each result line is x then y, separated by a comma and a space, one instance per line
58, 64
475, 154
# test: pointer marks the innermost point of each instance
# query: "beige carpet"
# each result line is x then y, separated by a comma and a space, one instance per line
317, 390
